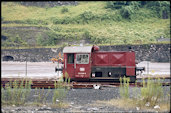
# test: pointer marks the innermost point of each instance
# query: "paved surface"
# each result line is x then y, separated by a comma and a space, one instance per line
155, 68
29, 69
47, 69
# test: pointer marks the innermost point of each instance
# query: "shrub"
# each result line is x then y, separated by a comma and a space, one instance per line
66, 20
135, 4
115, 4
56, 20
127, 11
86, 16
86, 34
151, 93
16, 95
161, 8
64, 10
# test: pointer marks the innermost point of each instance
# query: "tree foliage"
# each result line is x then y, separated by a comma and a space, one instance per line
127, 8
161, 8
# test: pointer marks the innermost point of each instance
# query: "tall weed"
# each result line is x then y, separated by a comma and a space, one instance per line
124, 87
15, 94
60, 91
151, 92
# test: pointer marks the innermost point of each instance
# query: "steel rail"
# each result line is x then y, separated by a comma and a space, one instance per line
45, 83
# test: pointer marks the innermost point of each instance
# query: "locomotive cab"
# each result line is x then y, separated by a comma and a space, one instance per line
77, 62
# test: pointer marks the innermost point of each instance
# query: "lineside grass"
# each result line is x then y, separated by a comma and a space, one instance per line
15, 94
151, 97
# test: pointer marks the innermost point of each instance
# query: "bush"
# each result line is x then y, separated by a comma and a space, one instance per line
56, 21
64, 10
66, 20
135, 4
87, 16
161, 8
152, 92
115, 4
127, 11
86, 35
39, 40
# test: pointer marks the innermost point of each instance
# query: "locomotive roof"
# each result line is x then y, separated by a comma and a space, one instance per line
77, 49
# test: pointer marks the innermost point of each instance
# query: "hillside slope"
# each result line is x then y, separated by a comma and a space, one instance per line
88, 21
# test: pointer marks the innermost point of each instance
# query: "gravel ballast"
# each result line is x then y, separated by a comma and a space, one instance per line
79, 100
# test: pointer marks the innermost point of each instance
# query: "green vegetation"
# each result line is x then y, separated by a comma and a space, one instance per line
100, 22
61, 89
151, 94
40, 96
124, 88
16, 94
151, 97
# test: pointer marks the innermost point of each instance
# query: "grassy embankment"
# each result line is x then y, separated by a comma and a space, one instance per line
91, 21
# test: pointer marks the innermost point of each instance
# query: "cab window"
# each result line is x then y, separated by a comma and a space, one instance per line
70, 58
82, 58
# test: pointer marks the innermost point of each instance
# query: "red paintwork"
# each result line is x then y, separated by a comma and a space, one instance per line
69, 68
83, 70
115, 59
99, 58
96, 48
74, 71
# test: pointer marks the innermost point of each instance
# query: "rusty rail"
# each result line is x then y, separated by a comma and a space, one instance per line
45, 83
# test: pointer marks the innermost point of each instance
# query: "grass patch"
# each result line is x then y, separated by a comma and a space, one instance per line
60, 91
17, 94
73, 23
145, 98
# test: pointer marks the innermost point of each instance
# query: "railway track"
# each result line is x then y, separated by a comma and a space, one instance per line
45, 83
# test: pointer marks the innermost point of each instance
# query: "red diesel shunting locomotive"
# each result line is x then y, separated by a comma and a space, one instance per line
84, 63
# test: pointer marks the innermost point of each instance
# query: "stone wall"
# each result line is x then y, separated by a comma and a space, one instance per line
32, 55
153, 52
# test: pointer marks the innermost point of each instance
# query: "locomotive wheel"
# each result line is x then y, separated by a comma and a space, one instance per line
66, 80
63, 79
